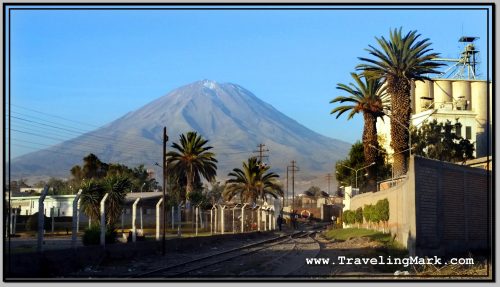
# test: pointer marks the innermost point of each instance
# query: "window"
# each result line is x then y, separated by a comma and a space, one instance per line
458, 130
468, 132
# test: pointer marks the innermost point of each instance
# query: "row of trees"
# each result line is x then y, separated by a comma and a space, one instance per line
371, 213
190, 161
383, 85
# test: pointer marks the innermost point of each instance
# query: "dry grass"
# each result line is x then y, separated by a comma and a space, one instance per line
479, 270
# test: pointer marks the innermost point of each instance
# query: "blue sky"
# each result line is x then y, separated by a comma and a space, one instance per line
95, 66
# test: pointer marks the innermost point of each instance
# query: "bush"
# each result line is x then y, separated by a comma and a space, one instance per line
32, 223
349, 217
358, 216
92, 236
382, 207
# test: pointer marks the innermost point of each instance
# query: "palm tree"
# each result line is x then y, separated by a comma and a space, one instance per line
401, 60
252, 182
92, 193
368, 97
116, 187
192, 158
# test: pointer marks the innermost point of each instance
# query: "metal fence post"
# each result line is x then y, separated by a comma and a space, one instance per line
179, 220
78, 215
158, 218
222, 219
15, 222
134, 217
243, 217
52, 211
142, 226
196, 219
103, 220
258, 218
75, 219
41, 217
173, 217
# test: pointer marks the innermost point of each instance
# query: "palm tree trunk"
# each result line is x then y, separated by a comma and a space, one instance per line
189, 182
399, 88
370, 138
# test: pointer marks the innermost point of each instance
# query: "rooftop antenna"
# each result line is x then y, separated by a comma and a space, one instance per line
465, 67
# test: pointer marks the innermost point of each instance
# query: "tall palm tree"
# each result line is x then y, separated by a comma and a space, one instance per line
192, 158
368, 97
252, 182
401, 60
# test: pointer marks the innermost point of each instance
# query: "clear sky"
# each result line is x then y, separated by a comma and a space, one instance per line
95, 66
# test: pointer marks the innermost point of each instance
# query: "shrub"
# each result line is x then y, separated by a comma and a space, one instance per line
368, 213
92, 235
358, 216
383, 209
349, 217
32, 222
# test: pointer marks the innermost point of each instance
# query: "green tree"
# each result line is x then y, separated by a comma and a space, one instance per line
92, 193
356, 160
382, 207
401, 60
315, 192
349, 217
116, 187
368, 213
358, 216
192, 158
369, 98
252, 182
440, 141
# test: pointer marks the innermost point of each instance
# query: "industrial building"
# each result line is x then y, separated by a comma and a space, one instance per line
455, 95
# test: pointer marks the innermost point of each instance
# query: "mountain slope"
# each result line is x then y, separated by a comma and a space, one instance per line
231, 117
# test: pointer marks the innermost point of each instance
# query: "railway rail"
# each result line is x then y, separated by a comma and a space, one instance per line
196, 266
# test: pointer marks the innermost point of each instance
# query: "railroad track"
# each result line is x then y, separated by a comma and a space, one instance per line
197, 265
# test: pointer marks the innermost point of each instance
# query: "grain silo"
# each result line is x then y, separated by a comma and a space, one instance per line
442, 93
462, 94
479, 99
423, 95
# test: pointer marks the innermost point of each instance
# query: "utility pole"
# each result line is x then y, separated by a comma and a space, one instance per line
261, 156
328, 178
287, 168
261, 152
294, 168
165, 139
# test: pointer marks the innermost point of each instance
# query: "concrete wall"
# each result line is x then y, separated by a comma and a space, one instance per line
452, 207
401, 208
440, 208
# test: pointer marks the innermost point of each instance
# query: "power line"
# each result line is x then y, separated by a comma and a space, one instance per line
55, 116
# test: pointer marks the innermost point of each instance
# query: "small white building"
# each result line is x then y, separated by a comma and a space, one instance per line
62, 205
